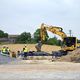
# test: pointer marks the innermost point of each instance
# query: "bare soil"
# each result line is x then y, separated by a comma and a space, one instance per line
31, 47
39, 69
40, 65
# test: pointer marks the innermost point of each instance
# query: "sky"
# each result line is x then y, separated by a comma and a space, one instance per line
17, 16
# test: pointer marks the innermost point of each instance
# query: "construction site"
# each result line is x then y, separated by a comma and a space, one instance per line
41, 61
39, 40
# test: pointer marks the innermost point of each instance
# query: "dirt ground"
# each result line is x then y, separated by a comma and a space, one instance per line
39, 65
38, 69
31, 47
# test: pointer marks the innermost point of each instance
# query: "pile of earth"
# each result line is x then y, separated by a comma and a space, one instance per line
73, 56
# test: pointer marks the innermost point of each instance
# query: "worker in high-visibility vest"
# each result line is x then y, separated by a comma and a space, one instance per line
25, 51
7, 50
3, 50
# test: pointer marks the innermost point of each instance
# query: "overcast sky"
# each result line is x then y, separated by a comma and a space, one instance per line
17, 16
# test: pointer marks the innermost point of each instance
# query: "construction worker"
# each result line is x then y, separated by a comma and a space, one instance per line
25, 52
7, 50
4, 50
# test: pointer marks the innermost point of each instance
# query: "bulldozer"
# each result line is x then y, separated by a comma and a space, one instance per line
68, 43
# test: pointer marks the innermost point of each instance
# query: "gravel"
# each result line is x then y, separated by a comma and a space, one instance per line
6, 59
40, 75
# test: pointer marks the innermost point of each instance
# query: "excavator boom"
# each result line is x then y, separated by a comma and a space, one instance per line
69, 43
53, 29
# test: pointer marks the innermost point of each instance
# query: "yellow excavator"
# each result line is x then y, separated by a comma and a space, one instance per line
69, 43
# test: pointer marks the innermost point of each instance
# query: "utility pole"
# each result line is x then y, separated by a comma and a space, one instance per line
70, 32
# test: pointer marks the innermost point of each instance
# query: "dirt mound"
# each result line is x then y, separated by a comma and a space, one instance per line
73, 56
77, 51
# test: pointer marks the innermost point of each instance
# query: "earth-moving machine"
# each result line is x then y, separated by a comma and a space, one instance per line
69, 43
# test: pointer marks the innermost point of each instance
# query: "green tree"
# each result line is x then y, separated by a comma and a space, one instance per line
6, 35
24, 38
52, 41
2, 34
37, 35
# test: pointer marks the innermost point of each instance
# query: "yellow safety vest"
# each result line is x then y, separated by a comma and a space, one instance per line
8, 50
25, 50
4, 50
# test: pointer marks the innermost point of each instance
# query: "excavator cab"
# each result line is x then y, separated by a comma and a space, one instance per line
69, 43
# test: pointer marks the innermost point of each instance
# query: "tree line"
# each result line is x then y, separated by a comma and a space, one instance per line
2, 34
26, 37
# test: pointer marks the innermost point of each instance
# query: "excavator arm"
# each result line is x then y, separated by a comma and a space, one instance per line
53, 29
69, 43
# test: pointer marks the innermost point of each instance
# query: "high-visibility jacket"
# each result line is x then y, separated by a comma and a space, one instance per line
25, 50
8, 49
3, 50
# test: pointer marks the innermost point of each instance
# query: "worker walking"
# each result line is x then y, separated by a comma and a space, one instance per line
25, 52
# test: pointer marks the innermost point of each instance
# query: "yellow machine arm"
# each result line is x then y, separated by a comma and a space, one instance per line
53, 29
69, 43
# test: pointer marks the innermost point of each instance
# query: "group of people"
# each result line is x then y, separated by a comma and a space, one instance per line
5, 50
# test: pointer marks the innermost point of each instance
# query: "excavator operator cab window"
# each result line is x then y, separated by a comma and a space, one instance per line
69, 41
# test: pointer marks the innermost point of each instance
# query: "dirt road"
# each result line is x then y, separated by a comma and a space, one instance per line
40, 70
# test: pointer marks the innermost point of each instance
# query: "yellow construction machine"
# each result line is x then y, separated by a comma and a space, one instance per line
69, 43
